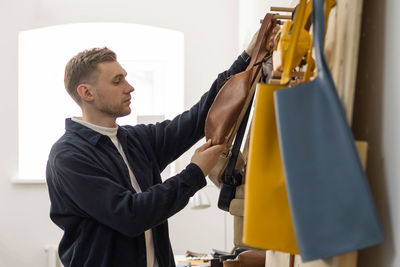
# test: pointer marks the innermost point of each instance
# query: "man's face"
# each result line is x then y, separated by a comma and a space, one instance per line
112, 92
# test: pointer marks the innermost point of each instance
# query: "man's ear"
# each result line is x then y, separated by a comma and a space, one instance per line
85, 91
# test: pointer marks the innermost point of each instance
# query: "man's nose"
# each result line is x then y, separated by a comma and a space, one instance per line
130, 88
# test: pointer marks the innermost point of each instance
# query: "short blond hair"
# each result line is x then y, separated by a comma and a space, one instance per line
82, 67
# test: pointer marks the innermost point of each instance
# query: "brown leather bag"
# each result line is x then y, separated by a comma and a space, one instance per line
231, 102
228, 109
248, 258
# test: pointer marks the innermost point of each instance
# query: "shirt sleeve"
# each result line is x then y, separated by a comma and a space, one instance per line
91, 192
171, 138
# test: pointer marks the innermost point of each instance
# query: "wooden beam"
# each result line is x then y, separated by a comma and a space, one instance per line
282, 9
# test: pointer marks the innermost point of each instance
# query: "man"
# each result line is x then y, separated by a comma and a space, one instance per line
104, 180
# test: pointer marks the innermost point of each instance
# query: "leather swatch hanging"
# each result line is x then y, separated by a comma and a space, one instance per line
267, 219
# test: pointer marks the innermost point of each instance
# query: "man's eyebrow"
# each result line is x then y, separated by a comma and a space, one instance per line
120, 75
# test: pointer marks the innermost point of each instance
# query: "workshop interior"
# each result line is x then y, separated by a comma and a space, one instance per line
309, 174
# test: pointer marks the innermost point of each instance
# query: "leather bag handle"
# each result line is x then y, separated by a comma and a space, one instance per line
318, 22
261, 39
229, 172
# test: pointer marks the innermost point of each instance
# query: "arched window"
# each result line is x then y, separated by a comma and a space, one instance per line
153, 58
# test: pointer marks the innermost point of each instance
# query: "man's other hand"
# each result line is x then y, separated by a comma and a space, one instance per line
250, 47
206, 156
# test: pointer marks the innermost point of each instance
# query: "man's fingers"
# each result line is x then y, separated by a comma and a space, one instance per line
217, 148
205, 145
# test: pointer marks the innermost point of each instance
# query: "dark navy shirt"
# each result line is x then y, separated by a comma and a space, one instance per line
92, 198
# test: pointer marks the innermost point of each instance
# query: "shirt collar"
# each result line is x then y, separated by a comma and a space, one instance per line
111, 132
92, 136
88, 134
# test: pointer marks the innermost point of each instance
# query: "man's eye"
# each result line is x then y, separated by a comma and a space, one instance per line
117, 82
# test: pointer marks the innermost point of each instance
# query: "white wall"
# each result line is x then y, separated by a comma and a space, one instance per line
250, 13
211, 38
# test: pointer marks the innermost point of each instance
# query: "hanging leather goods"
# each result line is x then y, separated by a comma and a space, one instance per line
230, 104
331, 204
310, 65
231, 100
295, 40
267, 220
248, 258
232, 176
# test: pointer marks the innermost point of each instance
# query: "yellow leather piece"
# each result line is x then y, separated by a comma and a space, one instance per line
284, 40
267, 219
295, 40
329, 4
310, 65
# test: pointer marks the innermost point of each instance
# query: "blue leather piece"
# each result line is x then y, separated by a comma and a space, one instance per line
331, 204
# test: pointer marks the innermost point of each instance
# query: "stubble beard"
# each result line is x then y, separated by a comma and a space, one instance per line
117, 111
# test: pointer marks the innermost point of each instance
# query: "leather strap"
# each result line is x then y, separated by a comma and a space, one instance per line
318, 22
230, 177
247, 144
259, 49
233, 178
